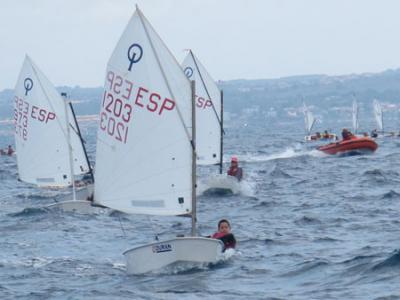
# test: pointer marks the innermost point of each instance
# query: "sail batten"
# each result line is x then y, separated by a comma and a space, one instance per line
208, 111
40, 132
144, 151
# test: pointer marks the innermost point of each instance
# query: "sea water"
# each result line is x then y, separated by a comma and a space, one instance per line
313, 227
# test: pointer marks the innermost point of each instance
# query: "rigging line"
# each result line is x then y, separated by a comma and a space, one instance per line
164, 75
152, 227
122, 227
74, 130
208, 94
78, 133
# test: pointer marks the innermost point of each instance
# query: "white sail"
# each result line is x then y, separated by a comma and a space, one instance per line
309, 119
40, 132
208, 111
378, 115
355, 115
144, 154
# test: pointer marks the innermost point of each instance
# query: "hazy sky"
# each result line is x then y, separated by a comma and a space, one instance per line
71, 40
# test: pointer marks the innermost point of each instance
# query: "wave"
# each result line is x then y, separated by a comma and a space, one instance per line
306, 267
374, 172
390, 195
393, 261
289, 152
29, 211
326, 239
305, 220
279, 173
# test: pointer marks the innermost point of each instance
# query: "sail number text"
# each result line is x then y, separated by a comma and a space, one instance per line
203, 103
23, 112
121, 98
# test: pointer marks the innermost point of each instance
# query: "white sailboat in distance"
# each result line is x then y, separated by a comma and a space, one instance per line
354, 114
309, 121
209, 126
50, 153
378, 114
146, 159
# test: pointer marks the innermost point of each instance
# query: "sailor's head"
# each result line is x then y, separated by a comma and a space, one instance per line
224, 226
234, 161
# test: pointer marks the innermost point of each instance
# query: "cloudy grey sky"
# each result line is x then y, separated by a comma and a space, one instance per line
71, 40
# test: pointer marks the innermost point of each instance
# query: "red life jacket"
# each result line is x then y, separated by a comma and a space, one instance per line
236, 172
229, 242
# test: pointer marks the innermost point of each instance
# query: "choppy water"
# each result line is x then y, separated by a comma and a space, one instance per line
313, 227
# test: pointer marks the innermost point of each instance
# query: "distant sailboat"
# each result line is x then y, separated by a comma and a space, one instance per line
354, 114
209, 112
146, 155
50, 152
309, 122
378, 114
209, 126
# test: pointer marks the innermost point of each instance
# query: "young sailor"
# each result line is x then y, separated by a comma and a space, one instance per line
346, 134
10, 150
224, 234
234, 169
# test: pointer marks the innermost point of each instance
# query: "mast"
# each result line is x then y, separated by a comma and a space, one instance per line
71, 163
221, 148
82, 142
194, 155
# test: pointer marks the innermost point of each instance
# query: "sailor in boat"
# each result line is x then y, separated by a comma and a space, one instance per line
9, 151
234, 169
224, 234
347, 135
316, 136
374, 133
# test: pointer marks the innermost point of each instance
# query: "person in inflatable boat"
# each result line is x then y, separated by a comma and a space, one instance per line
234, 169
224, 234
346, 134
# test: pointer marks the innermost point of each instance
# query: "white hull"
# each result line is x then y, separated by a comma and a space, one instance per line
221, 184
158, 255
75, 206
81, 193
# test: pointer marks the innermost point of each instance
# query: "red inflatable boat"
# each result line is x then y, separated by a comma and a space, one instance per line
355, 144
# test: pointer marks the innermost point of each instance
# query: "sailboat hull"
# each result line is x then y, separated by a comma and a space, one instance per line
75, 206
158, 255
84, 192
221, 184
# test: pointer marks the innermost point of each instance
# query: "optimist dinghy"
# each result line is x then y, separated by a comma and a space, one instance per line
209, 127
50, 149
146, 155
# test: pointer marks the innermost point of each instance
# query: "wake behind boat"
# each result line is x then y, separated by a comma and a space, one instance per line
220, 184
